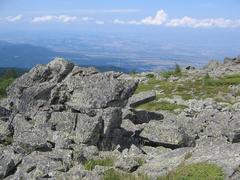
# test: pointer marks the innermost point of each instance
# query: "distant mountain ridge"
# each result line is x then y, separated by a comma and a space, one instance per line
24, 56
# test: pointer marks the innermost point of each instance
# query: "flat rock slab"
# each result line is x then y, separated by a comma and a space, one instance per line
141, 98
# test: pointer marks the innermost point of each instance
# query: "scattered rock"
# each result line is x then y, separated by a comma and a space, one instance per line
59, 116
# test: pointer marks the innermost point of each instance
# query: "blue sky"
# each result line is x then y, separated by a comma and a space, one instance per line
121, 13
211, 25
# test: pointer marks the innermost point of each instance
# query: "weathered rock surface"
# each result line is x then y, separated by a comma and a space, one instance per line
59, 116
58, 108
141, 98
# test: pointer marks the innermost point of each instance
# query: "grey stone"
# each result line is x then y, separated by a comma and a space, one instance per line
142, 116
224, 155
90, 92
161, 165
141, 98
5, 133
4, 112
166, 134
39, 164
63, 121
32, 90
88, 129
6, 165
127, 163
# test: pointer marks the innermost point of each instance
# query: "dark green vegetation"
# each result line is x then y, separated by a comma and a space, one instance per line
7, 76
4, 83
200, 171
90, 165
12, 72
198, 88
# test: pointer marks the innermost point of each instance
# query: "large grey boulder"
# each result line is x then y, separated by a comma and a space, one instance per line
165, 134
88, 129
27, 139
141, 98
99, 90
224, 155
32, 90
162, 164
127, 163
213, 123
48, 164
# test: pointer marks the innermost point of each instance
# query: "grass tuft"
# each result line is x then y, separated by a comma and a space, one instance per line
112, 174
90, 165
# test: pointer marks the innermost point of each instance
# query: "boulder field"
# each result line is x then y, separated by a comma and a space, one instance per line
58, 117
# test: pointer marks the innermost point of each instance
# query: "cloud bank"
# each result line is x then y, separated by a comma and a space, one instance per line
161, 18
196, 23
158, 19
11, 18
60, 18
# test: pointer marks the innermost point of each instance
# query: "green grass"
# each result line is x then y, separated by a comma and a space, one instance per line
4, 83
112, 174
199, 171
90, 165
157, 106
199, 88
177, 72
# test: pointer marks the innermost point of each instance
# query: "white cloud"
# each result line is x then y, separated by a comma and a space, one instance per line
117, 21
100, 22
13, 18
65, 18
86, 19
196, 23
161, 19
60, 18
158, 19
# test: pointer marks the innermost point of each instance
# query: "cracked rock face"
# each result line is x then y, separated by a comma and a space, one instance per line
58, 116
54, 111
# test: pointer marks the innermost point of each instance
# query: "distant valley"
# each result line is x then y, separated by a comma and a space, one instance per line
108, 52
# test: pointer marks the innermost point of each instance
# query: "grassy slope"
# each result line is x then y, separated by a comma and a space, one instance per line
199, 88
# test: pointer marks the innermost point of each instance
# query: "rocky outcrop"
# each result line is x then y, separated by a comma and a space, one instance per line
59, 116
56, 109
